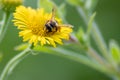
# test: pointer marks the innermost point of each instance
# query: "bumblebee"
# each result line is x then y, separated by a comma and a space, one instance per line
52, 25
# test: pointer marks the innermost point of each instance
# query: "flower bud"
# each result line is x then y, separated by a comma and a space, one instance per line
9, 5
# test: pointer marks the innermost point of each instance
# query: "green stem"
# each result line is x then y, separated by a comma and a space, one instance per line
94, 55
75, 57
96, 34
38, 3
100, 42
13, 62
4, 25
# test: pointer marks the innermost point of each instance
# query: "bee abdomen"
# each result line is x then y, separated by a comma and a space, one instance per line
51, 26
48, 27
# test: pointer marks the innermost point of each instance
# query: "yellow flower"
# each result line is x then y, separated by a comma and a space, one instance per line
32, 25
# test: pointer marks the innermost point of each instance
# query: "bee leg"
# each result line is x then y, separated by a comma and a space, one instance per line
58, 28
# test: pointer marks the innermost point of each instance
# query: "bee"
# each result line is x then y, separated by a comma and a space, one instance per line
52, 25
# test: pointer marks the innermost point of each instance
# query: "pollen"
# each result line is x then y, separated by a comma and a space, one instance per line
31, 23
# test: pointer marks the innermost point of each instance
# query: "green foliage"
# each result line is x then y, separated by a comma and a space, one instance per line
83, 38
21, 47
1, 56
50, 4
115, 51
59, 10
76, 2
90, 23
90, 4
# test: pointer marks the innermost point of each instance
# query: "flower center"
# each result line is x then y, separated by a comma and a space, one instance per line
38, 31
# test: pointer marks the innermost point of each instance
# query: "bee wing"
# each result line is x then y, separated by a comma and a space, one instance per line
65, 25
53, 13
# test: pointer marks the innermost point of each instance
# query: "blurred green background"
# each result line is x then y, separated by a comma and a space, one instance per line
50, 67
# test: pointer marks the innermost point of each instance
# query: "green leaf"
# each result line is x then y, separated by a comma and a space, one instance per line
90, 5
41, 48
34, 52
1, 56
47, 5
21, 47
70, 55
76, 2
80, 33
83, 38
115, 51
90, 23
61, 11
